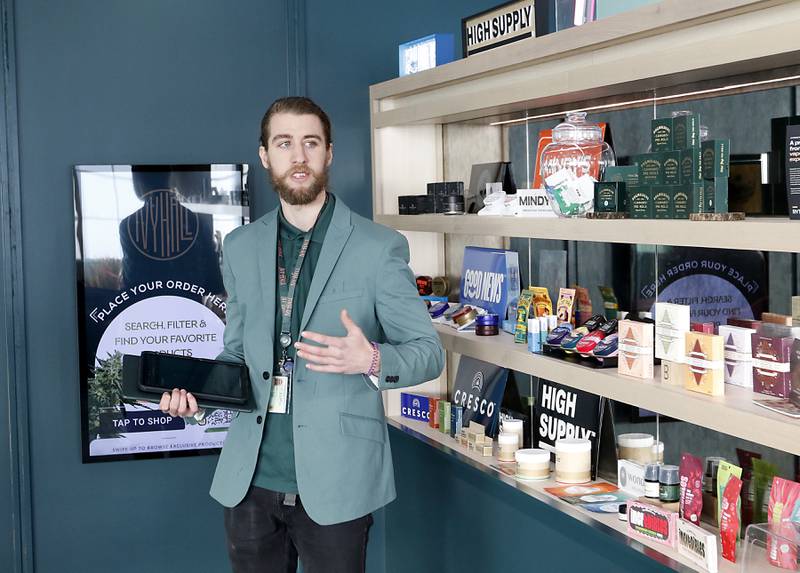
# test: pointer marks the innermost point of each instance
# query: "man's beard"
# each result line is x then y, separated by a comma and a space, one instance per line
299, 195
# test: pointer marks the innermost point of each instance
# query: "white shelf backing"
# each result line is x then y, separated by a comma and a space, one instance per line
734, 414
606, 523
762, 233
662, 45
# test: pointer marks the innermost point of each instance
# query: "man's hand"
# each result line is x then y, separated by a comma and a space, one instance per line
351, 354
178, 403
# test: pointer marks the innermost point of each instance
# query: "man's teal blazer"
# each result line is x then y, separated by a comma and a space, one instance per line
342, 455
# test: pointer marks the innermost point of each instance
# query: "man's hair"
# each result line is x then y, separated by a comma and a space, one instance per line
297, 106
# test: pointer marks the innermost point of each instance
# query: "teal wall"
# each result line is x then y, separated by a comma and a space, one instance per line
607, 8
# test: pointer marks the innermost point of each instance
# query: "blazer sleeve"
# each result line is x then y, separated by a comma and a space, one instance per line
412, 353
234, 325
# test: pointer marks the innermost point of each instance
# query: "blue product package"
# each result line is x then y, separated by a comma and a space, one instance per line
489, 279
456, 420
414, 406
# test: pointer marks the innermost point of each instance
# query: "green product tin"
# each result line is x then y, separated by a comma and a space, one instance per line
663, 199
715, 195
680, 203
661, 134
691, 165
628, 174
671, 164
716, 158
640, 202
609, 196
686, 131
651, 170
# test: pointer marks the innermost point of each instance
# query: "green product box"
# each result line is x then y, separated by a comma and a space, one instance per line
694, 193
444, 417
661, 134
628, 174
671, 165
609, 196
681, 205
651, 169
663, 201
716, 158
686, 131
692, 165
715, 195
640, 202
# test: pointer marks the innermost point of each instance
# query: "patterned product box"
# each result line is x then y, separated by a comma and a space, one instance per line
704, 370
772, 363
635, 349
433, 409
673, 321
654, 523
738, 354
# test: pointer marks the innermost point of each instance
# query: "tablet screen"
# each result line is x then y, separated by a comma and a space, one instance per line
205, 378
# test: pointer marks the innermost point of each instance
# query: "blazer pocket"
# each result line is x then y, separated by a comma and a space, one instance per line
363, 427
341, 295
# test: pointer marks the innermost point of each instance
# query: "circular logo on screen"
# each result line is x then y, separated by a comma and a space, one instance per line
162, 229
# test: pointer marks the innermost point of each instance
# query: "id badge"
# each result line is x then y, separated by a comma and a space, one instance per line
281, 391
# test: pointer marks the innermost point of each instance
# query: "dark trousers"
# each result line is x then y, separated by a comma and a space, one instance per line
265, 535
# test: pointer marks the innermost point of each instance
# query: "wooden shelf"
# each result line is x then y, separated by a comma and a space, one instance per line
766, 233
658, 46
734, 414
606, 523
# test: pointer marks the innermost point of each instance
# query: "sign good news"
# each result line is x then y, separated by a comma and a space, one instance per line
499, 26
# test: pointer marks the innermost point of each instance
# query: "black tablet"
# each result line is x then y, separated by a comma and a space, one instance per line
215, 384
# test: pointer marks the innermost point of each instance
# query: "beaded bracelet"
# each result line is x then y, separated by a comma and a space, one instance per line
376, 352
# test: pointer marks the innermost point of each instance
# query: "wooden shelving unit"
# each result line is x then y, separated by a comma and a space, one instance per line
766, 234
734, 414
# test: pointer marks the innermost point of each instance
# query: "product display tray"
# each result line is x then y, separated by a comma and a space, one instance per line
575, 358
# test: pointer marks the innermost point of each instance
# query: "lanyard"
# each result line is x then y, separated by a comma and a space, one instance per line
286, 363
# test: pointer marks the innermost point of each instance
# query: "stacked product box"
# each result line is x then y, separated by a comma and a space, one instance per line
738, 354
635, 349
772, 349
680, 176
704, 364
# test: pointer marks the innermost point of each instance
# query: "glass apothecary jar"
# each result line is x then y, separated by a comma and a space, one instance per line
572, 162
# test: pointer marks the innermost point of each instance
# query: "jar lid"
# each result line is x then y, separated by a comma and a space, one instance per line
635, 440
669, 475
573, 445
532, 456
651, 472
512, 424
712, 465
487, 320
507, 438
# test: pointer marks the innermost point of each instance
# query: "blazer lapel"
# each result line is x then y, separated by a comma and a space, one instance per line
266, 251
335, 238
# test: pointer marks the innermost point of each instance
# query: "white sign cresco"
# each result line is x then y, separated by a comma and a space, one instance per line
498, 26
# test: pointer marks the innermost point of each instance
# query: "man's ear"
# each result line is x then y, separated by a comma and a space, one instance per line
262, 153
329, 160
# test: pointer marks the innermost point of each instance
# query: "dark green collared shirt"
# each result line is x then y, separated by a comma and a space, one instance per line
276, 469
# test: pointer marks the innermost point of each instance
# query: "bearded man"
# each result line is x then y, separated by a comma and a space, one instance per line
323, 309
